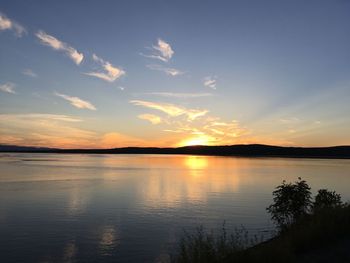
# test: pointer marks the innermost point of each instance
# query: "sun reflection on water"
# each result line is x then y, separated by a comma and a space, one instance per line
191, 180
70, 251
109, 240
196, 162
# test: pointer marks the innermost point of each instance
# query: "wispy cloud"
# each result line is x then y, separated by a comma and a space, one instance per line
50, 130
196, 126
162, 51
211, 131
290, 120
56, 130
228, 129
35, 116
171, 109
178, 95
56, 44
154, 119
8, 87
7, 24
210, 82
30, 73
77, 102
111, 72
169, 71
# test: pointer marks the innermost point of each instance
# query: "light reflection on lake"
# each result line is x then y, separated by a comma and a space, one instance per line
133, 208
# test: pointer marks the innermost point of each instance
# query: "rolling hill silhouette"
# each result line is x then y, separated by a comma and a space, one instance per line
250, 150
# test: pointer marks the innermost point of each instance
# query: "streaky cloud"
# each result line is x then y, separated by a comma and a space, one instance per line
56, 44
289, 120
111, 73
196, 126
161, 51
179, 95
173, 131
171, 109
8, 87
41, 129
169, 71
58, 130
77, 102
154, 119
30, 73
46, 116
8, 24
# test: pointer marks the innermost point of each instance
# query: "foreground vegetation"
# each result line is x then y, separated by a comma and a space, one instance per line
308, 231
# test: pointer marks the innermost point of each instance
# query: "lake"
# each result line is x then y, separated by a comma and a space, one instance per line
134, 208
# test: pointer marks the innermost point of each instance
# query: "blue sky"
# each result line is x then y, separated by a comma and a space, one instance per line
161, 73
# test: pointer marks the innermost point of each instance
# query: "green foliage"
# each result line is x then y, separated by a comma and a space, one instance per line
291, 202
326, 199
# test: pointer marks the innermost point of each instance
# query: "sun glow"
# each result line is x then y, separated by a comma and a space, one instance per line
198, 140
196, 162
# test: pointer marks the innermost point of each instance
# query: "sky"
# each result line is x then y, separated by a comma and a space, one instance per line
104, 74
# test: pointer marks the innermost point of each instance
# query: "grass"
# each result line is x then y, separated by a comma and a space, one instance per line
325, 230
203, 247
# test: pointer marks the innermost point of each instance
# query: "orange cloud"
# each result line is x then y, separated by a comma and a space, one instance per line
114, 140
154, 119
192, 128
171, 109
49, 130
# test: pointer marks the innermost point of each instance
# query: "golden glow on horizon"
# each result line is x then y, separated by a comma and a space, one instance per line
66, 131
198, 140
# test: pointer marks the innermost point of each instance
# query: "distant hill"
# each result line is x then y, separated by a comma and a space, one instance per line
16, 148
250, 150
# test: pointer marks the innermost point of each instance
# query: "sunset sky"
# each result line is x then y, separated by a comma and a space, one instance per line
103, 74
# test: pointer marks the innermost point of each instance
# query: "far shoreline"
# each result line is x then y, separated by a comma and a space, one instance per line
246, 151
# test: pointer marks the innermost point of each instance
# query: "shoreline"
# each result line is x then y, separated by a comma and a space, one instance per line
252, 150
189, 154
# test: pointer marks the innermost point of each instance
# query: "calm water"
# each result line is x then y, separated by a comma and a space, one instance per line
133, 208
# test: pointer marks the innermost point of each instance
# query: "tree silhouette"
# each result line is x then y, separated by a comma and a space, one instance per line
291, 202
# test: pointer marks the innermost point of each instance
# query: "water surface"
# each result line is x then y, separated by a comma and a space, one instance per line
133, 208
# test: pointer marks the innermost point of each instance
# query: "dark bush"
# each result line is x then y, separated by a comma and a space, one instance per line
307, 231
291, 202
326, 199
